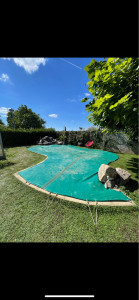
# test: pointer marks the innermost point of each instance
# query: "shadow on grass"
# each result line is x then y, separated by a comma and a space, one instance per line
6, 164
132, 165
132, 185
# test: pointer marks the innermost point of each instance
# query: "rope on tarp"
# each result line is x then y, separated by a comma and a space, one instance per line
90, 212
60, 173
95, 223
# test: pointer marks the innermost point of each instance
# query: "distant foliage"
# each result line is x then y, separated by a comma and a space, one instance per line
24, 118
1, 123
113, 84
92, 128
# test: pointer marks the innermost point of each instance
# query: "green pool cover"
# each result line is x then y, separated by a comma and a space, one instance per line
72, 171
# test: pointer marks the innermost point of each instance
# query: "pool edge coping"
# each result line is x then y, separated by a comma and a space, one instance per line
71, 199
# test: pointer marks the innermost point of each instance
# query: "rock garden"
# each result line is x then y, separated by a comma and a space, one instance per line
113, 177
48, 140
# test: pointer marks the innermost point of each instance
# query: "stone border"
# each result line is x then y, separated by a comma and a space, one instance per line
106, 203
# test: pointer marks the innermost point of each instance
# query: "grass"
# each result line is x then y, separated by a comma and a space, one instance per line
130, 163
27, 215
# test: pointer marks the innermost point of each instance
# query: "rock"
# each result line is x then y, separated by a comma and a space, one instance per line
48, 140
110, 183
45, 138
123, 176
105, 171
59, 143
46, 143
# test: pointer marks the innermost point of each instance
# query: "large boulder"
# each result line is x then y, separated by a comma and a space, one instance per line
123, 176
105, 171
48, 140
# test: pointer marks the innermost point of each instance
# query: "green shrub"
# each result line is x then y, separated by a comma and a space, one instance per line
71, 138
21, 137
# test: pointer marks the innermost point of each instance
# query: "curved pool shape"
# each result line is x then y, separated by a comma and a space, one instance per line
72, 171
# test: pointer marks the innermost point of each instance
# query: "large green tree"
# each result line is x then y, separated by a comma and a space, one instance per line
114, 86
24, 118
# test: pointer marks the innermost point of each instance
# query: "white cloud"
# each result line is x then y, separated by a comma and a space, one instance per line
72, 100
4, 111
87, 94
4, 77
30, 65
53, 115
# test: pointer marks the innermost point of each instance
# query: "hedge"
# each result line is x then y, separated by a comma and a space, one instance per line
20, 137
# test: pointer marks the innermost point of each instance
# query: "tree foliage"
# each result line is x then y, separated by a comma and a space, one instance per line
1, 123
114, 86
24, 118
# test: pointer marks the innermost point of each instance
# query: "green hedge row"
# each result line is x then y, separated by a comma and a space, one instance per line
14, 138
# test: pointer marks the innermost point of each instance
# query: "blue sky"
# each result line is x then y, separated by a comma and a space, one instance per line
52, 87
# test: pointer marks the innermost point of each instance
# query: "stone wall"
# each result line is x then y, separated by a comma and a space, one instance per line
118, 142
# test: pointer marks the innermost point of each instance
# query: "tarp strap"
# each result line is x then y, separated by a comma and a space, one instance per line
95, 223
55, 177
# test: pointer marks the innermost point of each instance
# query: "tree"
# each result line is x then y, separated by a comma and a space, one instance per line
93, 128
24, 118
114, 87
1, 123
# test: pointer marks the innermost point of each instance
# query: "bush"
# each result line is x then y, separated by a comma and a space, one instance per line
71, 138
21, 137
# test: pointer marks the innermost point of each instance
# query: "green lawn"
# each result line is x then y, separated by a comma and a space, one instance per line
27, 215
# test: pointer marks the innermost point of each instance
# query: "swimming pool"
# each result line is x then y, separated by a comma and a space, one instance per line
72, 171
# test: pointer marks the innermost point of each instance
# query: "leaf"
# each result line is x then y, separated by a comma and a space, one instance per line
108, 96
106, 77
110, 59
90, 83
121, 101
84, 99
97, 73
93, 61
